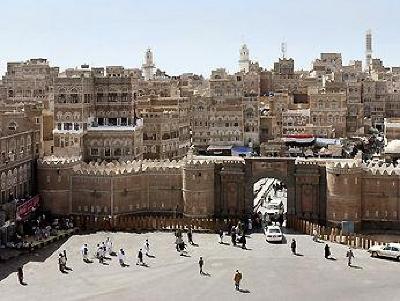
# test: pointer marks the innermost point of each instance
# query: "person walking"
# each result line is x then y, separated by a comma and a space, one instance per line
237, 279
109, 247
99, 253
350, 256
327, 251
147, 247
201, 263
85, 253
243, 240
293, 246
233, 236
140, 257
104, 251
121, 257
190, 236
20, 274
281, 220
221, 236
61, 263
65, 261
315, 234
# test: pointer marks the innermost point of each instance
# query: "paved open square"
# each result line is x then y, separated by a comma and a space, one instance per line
270, 272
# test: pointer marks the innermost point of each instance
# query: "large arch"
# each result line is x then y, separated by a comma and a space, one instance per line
306, 184
270, 167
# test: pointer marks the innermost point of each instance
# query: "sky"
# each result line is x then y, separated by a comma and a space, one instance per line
194, 35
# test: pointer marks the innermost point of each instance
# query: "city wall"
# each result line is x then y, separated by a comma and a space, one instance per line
323, 191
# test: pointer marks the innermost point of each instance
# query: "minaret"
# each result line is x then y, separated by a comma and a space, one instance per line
148, 67
283, 50
368, 51
244, 59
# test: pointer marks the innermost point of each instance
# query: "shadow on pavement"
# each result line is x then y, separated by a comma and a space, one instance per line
10, 266
356, 267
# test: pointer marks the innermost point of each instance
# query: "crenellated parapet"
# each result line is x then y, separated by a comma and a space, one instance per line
128, 168
59, 162
343, 167
383, 169
306, 162
161, 167
107, 168
198, 164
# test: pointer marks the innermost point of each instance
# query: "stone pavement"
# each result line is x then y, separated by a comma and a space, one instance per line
270, 272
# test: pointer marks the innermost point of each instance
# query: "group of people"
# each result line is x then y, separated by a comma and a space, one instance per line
237, 231
106, 248
44, 228
38, 229
180, 243
278, 187
327, 251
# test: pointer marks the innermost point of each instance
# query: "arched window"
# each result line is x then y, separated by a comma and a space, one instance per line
12, 126
62, 98
74, 96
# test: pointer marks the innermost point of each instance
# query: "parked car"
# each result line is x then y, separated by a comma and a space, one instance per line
391, 250
273, 234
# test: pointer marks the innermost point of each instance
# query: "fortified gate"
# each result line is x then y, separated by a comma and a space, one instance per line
305, 181
196, 186
327, 191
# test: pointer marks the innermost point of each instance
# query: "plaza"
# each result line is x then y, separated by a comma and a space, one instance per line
270, 271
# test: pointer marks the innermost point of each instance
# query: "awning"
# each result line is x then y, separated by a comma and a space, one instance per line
219, 147
242, 150
323, 142
26, 208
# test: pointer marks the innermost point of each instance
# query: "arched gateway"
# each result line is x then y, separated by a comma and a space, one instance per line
305, 181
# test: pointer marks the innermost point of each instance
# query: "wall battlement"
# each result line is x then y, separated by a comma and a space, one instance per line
327, 190
344, 167
59, 162
384, 169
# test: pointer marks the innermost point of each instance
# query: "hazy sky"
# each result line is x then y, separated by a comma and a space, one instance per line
194, 36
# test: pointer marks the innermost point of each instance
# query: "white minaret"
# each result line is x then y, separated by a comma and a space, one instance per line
148, 66
244, 59
368, 51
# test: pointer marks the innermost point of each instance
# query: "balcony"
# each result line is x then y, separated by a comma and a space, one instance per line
94, 127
